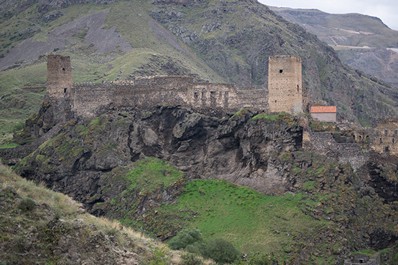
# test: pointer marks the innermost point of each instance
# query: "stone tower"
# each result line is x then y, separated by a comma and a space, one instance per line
59, 77
59, 87
285, 85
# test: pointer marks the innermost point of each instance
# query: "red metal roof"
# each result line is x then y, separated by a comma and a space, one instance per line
323, 109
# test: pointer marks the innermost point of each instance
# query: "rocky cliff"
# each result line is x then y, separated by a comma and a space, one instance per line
136, 165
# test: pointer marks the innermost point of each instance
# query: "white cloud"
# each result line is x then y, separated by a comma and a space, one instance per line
386, 10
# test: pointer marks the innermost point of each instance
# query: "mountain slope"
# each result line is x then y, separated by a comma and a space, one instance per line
362, 42
216, 41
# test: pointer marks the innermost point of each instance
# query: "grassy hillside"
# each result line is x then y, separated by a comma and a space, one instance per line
39, 226
251, 221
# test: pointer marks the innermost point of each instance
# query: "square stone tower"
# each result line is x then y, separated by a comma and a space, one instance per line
285, 85
59, 76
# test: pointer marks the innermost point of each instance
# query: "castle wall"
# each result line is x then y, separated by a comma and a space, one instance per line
385, 138
285, 84
252, 99
90, 99
324, 143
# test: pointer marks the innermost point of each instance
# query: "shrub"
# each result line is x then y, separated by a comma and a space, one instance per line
27, 204
185, 238
159, 257
190, 259
220, 251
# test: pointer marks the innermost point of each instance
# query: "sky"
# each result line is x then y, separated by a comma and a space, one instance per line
386, 10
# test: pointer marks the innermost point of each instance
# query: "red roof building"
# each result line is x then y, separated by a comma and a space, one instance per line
324, 113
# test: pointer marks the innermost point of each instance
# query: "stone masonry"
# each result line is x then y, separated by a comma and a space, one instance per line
285, 88
88, 99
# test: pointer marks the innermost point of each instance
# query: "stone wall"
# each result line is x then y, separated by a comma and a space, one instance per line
385, 138
285, 84
89, 99
324, 143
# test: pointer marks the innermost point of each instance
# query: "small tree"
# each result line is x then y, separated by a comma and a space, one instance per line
220, 251
185, 238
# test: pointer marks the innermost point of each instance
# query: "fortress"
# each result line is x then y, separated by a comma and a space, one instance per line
89, 99
285, 94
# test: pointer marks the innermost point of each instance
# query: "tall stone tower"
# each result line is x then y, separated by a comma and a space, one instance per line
285, 85
59, 77
59, 87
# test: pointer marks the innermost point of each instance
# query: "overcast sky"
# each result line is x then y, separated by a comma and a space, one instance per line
386, 10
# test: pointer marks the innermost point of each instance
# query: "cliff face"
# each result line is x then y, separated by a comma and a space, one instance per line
191, 141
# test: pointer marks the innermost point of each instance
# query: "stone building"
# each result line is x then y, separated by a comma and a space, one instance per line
90, 99
59, 76
324, 113
385, 138
285, 88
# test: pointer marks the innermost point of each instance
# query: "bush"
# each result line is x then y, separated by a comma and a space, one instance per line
220, 251
185, 238
159, 257
190, 259
27, 204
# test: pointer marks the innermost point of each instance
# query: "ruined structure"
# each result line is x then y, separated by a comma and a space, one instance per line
385, 137
285, 88
88, 99
284, 95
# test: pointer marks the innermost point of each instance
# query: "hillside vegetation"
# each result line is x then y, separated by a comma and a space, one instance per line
39, 226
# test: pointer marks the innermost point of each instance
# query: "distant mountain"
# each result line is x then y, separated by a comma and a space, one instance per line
363, 42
